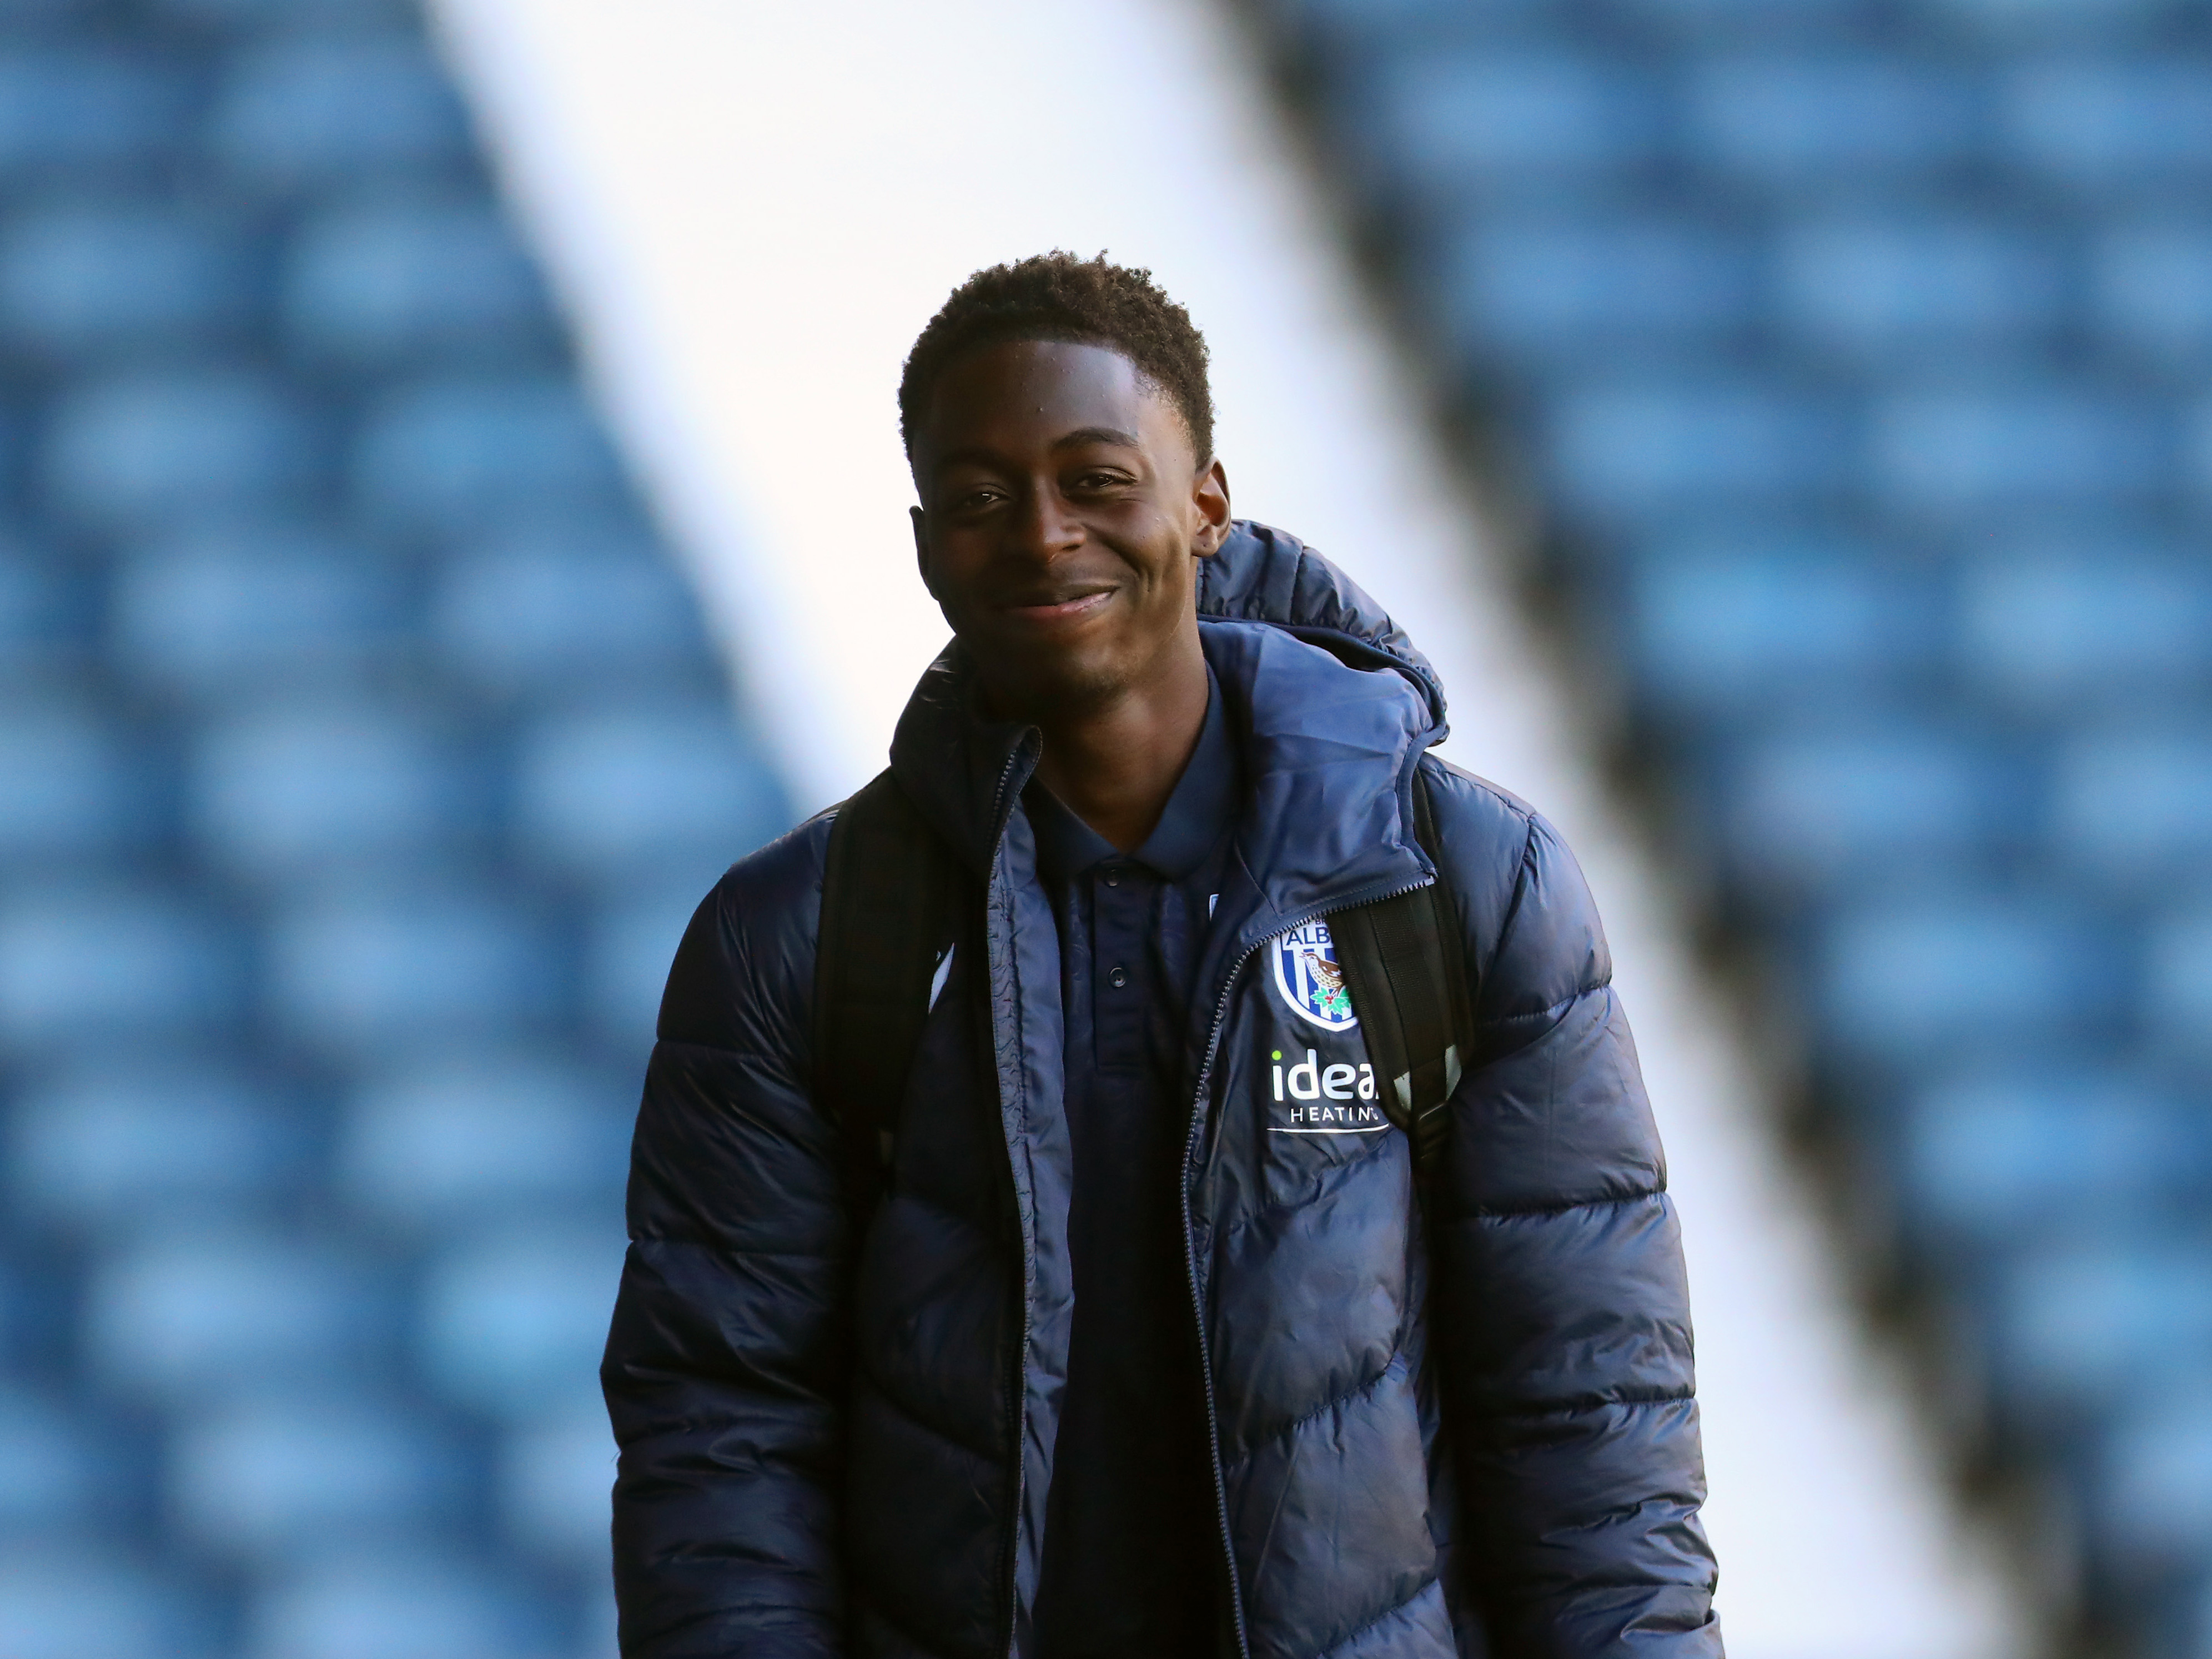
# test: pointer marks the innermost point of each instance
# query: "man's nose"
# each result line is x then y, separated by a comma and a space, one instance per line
1044, 527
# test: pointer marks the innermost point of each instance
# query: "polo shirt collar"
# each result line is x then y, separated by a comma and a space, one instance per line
1199, 810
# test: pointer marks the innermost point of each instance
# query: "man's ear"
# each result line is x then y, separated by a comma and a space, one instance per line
1209, 495
921, 521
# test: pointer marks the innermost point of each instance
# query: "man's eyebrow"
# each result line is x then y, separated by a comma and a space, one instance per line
967, 455
1096, 434
979, 455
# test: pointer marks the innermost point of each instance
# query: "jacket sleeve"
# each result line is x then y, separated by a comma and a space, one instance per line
1569, 1392
724, 1366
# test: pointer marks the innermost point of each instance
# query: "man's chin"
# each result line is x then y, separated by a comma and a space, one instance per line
1060, 685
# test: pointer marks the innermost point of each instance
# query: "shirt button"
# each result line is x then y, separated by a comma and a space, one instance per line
1117, 978
1113, 877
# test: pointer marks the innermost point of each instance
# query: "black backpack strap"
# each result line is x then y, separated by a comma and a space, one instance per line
1405, 961
889, 897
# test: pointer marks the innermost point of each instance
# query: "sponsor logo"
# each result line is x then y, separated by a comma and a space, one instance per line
1337, 1099
1310, 977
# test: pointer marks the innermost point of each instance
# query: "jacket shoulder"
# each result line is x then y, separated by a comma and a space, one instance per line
1533, 936
744, 974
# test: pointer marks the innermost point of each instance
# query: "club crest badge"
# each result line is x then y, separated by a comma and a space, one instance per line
1310, 977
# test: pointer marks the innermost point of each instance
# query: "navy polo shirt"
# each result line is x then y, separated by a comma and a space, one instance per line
1132, 1542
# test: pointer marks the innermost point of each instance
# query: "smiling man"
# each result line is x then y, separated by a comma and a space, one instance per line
1175, 1321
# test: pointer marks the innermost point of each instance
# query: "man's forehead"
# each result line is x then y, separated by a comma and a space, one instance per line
1032, 392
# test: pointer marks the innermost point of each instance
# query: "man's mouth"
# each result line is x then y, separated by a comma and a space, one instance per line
1060, 607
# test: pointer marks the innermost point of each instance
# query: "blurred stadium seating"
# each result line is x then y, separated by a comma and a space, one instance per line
364, 756
1857, 351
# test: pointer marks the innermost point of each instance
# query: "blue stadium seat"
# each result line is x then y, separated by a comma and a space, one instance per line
2041, 19
2153, 1494
1355, 23
600, 1638
363, 969
80, 961
2135, 805
81, 785
554, 1477
320, 785
29, 1304
2104, 1316
2197, 453
1733, 21
2178, 994
2152, 291
2112, 123
1991, 1158
1811, 807
58, 1602
232, 610
1623, 450
514, 1322
78, 108
121, 276
187, 1311
45, 610
148, 450
108, 1142
413, 1604
1920, 288
1519, 118
1948, 452
539, 607
453, 1140
382, 281
628, 945
459, 455
1584, 285
272, 1478
287, 15
1936, 973
1724, 624
1799, 119
2113, 619
60, 1473
622, 794
343, 108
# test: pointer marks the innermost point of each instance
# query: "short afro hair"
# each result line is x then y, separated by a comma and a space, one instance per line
1057, 296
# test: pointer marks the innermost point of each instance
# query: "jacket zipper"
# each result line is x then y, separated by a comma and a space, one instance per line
1190, 1243
1019, 1380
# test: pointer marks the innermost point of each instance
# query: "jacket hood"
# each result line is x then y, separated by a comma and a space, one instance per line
1262, 575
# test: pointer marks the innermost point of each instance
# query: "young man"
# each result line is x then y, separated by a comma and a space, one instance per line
1154, 1345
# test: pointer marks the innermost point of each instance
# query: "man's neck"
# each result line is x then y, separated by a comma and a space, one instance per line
1115, 765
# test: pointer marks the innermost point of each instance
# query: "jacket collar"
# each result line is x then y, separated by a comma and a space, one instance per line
963, 771
1202, 806
1262, 575
1331, 705
1329, 751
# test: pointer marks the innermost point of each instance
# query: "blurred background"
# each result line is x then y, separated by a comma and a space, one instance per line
450, 507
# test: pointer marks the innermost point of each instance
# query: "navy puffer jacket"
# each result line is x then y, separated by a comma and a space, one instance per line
1474, 1436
